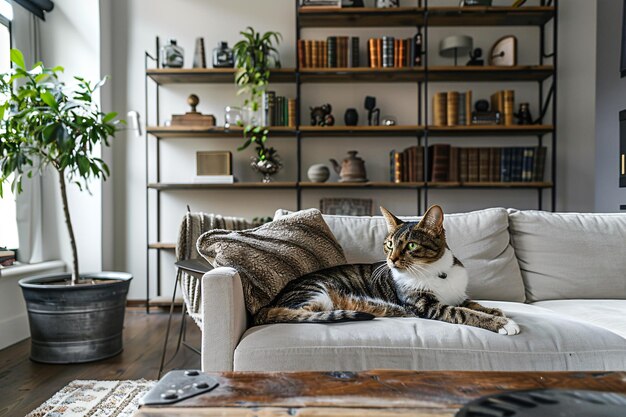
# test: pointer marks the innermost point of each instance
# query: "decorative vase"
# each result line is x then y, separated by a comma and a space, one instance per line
223, 56
318, 173
251, 117
267, 167
172, 55
351, 118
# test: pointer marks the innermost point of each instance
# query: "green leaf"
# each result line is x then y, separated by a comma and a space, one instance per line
49, 99
17, 58
109, 116
83, 165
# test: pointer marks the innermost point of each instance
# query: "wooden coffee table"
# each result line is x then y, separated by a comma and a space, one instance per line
372, 393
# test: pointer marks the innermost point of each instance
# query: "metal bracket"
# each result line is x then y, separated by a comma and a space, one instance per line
177, 386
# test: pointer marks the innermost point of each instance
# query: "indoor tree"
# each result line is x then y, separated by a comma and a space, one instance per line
46, 124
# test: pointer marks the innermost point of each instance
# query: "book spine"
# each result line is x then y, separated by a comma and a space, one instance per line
271, 109
440, 110
463, 165
517, 156
344, 51
405, 165
439, 162
397, 164
308, 47
527, 170
462, 110
453, 169
452, 104
392, 165
291, 111
315, 54
379, 53
355, 52
332, 51
468, 107
472, 165
388, 52
540, 163
505, 164
509, 104
301, 53
419, 165
495, 163
483, 165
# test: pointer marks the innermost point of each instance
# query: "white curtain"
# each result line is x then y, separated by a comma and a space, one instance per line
25, 32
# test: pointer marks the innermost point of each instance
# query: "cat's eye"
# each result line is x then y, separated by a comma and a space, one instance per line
389, 245
412, 246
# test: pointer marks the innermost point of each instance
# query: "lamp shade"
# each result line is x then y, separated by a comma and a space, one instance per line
455, 45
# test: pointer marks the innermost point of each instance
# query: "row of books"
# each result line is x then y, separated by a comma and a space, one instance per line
344, 52
389, 52
278, 110
448, 163
7, 257
503, 102
452, 108
334, 52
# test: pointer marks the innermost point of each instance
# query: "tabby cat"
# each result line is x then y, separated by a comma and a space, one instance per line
421, 278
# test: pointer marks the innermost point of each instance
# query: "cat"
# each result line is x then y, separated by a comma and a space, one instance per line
420, 278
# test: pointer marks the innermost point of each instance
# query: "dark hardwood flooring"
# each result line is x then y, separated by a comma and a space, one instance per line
24, 384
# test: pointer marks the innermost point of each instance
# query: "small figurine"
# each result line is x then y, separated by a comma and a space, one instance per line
321, 115
476, 58
523, 115
373, 113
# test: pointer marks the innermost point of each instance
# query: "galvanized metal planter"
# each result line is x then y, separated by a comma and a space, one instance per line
74, 324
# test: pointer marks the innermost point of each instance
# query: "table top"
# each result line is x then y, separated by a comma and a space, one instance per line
371, 393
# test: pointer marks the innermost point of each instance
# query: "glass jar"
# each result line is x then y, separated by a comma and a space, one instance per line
172, 55
223, 56
233, 117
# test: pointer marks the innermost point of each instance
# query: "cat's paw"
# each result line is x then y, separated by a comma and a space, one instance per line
509, 328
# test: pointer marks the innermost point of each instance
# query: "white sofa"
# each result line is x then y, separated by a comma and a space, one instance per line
561, 277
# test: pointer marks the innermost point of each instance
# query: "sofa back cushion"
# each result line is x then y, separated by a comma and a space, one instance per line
570, 255
480, 239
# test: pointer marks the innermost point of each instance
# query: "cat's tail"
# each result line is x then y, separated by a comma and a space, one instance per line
268, 315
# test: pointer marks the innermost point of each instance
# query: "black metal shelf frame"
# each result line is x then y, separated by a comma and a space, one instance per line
546, 97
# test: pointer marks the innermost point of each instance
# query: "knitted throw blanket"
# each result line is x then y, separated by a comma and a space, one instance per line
191, 228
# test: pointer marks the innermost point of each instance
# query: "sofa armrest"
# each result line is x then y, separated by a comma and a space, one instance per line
224, 318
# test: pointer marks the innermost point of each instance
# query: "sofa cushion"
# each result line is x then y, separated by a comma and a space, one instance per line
480, 239
608, 314
570, 255
547, 342
269, 256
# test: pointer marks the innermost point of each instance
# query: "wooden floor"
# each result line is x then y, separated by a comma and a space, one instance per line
24, 384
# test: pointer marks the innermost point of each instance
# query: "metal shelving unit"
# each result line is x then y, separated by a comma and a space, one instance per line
422, 16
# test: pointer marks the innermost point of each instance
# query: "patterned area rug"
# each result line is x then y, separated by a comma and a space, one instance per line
95, 399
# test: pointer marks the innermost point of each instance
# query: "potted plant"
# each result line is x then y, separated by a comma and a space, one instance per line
45, 125
255, 54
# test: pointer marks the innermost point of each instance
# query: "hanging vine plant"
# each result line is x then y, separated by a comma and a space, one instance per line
255, 54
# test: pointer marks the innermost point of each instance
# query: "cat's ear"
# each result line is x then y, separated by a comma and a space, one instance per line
392, 221
433, 219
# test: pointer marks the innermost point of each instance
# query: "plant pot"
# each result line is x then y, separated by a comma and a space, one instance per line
75, 324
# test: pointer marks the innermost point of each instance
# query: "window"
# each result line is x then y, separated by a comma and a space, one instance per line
8, 224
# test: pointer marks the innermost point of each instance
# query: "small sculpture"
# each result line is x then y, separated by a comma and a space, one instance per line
476, 58
318, 173
352, 168
351, 118
373, 113
321, 115
523, 115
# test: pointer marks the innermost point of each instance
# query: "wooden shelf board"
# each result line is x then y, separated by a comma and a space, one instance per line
369, 184
211, 75
238, 185
490, 73
162, 246
360, 17
414, 16
360, 131
361, 74
490, 16
207, 132
490, 130
490, 185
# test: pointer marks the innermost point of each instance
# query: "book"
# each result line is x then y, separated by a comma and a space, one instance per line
527, 164
453, 165
468, 107
291, 112
463, 165
440, 110
270, 108
324, 54
508, 97
494, 160
505, 164
452, 106
517, 159
438, 160
483, 164
462, 110
331, 51
342, 51
397, 163
540, 163
308, 47
315, 54
355, 58
472, 165
301, 53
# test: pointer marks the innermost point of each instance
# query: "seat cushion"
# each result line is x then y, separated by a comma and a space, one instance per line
480, 239
548, 341
570, 255
609, 314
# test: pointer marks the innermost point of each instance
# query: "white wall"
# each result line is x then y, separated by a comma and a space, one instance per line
70, 37
611, 98
137, 22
